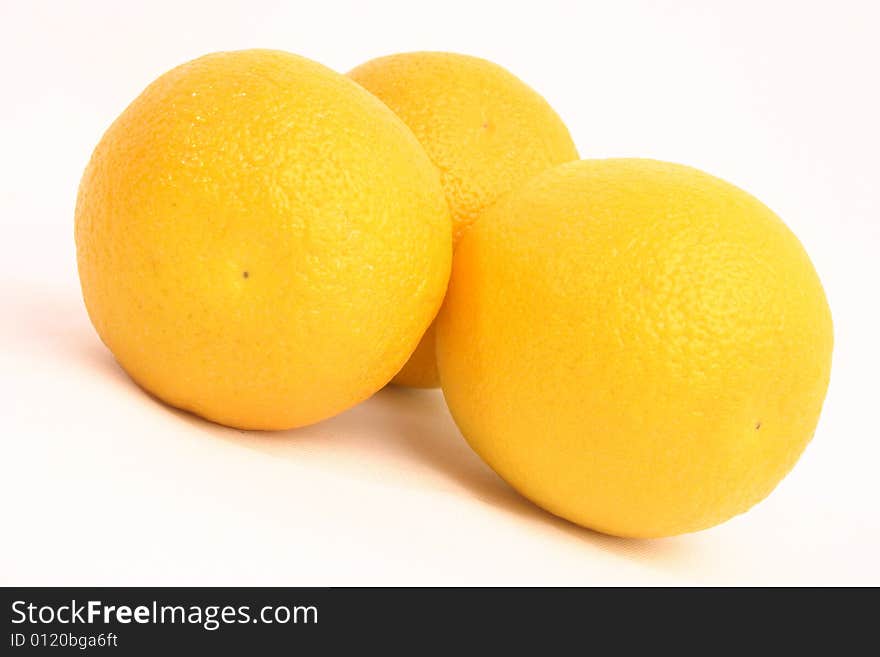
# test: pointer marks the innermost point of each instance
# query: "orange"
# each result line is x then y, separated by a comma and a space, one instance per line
260, 241
636, 346
486, 130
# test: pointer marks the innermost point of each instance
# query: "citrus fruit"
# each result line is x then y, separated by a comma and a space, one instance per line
485, 129
636, 346
261, 241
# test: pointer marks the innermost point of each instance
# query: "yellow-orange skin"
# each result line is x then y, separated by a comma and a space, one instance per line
261, 241
485, 129
635, 346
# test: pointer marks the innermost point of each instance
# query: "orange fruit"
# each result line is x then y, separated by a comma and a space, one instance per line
486, 130
636, 346
260, 241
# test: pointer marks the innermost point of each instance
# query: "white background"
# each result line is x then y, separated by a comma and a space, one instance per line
100, 484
